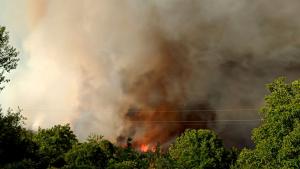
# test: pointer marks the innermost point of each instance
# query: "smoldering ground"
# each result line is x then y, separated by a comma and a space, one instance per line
103, 59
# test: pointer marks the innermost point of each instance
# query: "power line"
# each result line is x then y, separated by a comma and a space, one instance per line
195, 110
164, 111
197, 124
196, 121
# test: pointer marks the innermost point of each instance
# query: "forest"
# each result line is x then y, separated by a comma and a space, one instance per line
276, 139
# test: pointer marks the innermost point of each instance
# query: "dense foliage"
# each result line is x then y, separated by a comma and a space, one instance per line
88, 155
278, 138
53, 143
16, 142
200, 149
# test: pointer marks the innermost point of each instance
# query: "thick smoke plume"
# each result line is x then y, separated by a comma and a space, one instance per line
146, 69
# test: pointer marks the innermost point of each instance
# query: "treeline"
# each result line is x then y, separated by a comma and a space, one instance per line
277, 144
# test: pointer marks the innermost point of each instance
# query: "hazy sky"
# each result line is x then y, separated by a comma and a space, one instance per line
15, 16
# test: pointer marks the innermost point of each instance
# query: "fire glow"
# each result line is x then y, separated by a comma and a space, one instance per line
149, 127
144, 148
147, 148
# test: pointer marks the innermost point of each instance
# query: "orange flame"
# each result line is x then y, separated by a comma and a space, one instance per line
144, 148
147, 148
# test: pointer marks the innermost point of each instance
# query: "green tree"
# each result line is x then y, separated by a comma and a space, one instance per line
128, 157
85, 155
8, 56
53, 144
23, 164
15, 141
106, 146
161, 160
124, 165
200, 149
277, 139
16, 145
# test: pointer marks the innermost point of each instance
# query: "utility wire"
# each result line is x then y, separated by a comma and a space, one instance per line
198, 121
195, 110
163, 111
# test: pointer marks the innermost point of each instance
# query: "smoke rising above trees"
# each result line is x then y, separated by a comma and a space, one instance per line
111, 56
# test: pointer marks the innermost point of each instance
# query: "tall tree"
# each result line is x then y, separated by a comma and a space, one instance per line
87, 154
8, 56
200, 149
16, 145
53, 144
277, 139
16, 142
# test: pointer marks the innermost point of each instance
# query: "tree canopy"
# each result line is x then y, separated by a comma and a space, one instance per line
15, 141
54, 143
277, 139
87, 154
200, 149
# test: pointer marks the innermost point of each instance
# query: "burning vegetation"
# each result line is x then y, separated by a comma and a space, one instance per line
149, 127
